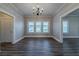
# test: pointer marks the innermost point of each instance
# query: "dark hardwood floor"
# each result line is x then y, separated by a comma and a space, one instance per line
32, 47
71, 47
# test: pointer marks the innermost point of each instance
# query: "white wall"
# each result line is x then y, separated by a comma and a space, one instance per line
67, 8
18, 21
73, 26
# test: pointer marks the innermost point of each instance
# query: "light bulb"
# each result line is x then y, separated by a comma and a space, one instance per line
37, 6
33, 8
42, 9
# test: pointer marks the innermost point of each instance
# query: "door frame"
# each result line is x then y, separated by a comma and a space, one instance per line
13, 24
63, 15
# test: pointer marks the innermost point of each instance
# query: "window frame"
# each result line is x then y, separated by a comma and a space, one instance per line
35, 27
42, 26
28, 26
67, 27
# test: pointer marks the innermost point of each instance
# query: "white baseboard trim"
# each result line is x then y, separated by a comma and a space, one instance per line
38, 36
57, 39
3, 41
70, 36
18, 40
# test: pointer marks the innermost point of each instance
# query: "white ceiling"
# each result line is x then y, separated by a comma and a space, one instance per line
50, 9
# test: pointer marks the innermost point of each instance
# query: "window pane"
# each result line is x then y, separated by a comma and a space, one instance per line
31, 26
38, 26
65, 26
45, 26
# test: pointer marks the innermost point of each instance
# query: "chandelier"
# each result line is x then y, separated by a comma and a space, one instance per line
37, 10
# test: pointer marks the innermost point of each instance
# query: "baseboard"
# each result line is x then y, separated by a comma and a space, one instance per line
57, 39
70, 36
18, 40
5, 42
38, 36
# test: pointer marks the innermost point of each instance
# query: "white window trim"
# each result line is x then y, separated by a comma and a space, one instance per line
67, 27
28, 26
35, 30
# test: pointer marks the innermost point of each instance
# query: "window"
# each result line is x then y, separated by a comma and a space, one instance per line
40, 27
65, 27
45, 26
31, 26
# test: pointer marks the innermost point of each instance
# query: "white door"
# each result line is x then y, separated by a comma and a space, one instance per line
6, 29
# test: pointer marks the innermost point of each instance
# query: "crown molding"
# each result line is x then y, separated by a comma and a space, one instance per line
15, 8
38, 17
58, 11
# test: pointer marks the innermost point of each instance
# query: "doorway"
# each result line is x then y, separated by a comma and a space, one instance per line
70, 33
6, 28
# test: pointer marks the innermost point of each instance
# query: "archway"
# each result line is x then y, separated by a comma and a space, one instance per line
70, 32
